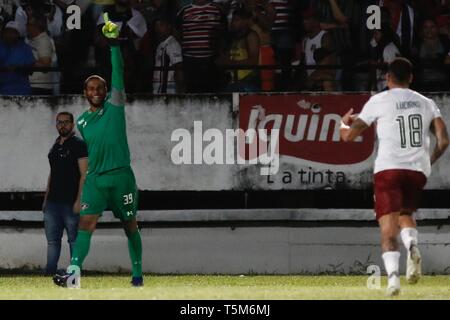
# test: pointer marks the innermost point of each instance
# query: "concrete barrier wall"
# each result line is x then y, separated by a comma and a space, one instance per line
289, 241
27, 131
237, 250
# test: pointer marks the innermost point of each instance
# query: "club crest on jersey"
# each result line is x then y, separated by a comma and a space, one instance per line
82, 122
84, 206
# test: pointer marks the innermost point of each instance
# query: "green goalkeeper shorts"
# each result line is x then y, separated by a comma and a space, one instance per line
115, 189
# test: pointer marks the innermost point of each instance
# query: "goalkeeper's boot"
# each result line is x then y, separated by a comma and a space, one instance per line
66, 280
137, 281
413, 265
393, 288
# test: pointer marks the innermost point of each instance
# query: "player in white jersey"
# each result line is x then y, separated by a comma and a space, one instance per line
404, 120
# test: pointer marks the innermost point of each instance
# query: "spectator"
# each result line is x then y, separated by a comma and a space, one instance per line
334, 16
263, 17
42, 83
75, 50
385, 49
359, 53
447, 59
55, 20
14, 54
201, 25
403, 20
182, 3
68, 166
322, 79
132, 29
99, 6
168, 54
40, 8
228, 7
316, 38
7, 9
443, 23
152, 9
430, 8
283, 39
225, 4
432, 52
244, 50
262, 21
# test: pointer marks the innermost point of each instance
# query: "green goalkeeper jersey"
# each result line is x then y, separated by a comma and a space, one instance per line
104, 130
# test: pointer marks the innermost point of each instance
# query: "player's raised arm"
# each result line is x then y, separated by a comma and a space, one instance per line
111, 31
439, 129
351, 126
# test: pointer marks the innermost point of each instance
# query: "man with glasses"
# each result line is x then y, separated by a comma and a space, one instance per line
61, 207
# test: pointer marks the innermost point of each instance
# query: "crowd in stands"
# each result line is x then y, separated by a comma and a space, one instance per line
196, 46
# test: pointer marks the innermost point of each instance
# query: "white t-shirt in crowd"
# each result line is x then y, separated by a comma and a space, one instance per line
168, 54
43, 46
403, 118
54, 27
309, 46
390, 52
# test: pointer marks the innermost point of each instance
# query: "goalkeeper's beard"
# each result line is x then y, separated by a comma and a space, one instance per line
96, 101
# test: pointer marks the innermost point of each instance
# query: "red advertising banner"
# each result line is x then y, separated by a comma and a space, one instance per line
308, 124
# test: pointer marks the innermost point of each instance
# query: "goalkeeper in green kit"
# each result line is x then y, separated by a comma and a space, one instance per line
110, 181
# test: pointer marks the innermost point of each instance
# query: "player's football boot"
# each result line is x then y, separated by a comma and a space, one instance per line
393, 288
63, 280
137, 281
413, 265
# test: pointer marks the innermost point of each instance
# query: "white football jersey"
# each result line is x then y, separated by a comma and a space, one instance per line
403, 118
167, 54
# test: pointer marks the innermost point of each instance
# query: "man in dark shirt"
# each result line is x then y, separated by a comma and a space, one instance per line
68, 166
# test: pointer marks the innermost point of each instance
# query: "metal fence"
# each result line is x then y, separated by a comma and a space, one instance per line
366, 74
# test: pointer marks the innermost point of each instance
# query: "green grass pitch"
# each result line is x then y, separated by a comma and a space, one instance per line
192, 287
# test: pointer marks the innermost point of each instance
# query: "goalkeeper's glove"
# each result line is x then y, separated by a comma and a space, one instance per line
110, 29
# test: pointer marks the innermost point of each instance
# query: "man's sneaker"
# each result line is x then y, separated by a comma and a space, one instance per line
63, 280
393, 288
413, 265
137, 281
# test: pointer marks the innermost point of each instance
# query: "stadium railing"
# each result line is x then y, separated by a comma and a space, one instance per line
369, 69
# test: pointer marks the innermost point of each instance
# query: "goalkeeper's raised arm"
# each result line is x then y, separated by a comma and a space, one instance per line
110, 178
111, 31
